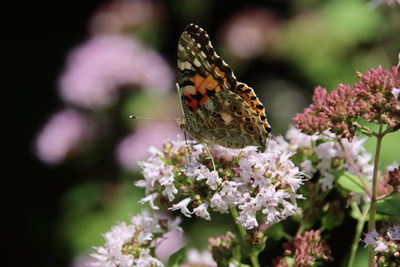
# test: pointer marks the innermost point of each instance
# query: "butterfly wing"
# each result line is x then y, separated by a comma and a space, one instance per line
214, 103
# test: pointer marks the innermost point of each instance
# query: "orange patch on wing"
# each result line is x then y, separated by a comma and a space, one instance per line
201, 85
222, 74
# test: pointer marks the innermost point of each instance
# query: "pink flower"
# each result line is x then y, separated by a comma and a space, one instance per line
133, 148
307, 250
371, 99
248, 32
124, 15
169, 244
62, 134
105, 63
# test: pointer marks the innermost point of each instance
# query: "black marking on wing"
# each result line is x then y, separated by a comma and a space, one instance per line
200, 36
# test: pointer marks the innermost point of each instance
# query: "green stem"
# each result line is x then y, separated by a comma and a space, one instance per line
242, 231
360, 224
243, 236
355, 169
254, 260
372, 210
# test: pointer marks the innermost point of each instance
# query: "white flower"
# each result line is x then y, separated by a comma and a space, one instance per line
202, 211
326, 180
307, 167
139, 234
111, 253
326, 151
396, 92
394, 233
230, 193
247, 216
380, 246
170, 191
298, 139
218, 204
183, 207
254, 183
212, 177
199, 258
370, 238
150, 198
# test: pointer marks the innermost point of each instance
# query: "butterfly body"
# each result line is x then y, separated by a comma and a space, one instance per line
217, 108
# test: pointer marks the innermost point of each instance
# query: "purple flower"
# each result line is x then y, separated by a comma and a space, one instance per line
62, 134
105, 63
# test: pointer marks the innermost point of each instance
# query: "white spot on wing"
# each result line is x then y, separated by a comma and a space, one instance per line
189, 89
226, 117
197, 62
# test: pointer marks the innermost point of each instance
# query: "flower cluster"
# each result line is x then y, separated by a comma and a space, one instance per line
222, 248
374, 98
257, 184
394, 178
387, 246
325, 153
306, 250
105, 63
133, 244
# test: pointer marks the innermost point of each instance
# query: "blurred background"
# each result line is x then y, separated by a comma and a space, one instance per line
76, 70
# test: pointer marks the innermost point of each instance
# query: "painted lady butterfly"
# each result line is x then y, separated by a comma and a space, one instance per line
217, 108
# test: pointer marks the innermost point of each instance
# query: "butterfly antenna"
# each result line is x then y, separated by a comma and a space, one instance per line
145, 118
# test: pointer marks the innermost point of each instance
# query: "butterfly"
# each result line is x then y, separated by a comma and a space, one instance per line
217, 108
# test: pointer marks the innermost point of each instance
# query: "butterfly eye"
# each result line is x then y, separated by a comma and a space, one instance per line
250, 128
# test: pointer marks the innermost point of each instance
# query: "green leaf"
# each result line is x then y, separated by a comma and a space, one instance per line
389, 206
321, 141
351, 182
177, 258
275, 232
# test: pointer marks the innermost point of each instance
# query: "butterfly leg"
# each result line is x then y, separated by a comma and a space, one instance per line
211, 157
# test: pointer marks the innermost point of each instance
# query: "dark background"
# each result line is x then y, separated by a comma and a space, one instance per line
35, 39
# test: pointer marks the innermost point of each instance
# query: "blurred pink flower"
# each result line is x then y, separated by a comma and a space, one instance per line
105, 63
61, 135
247, 33
122, 15
133, 148
169, 244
